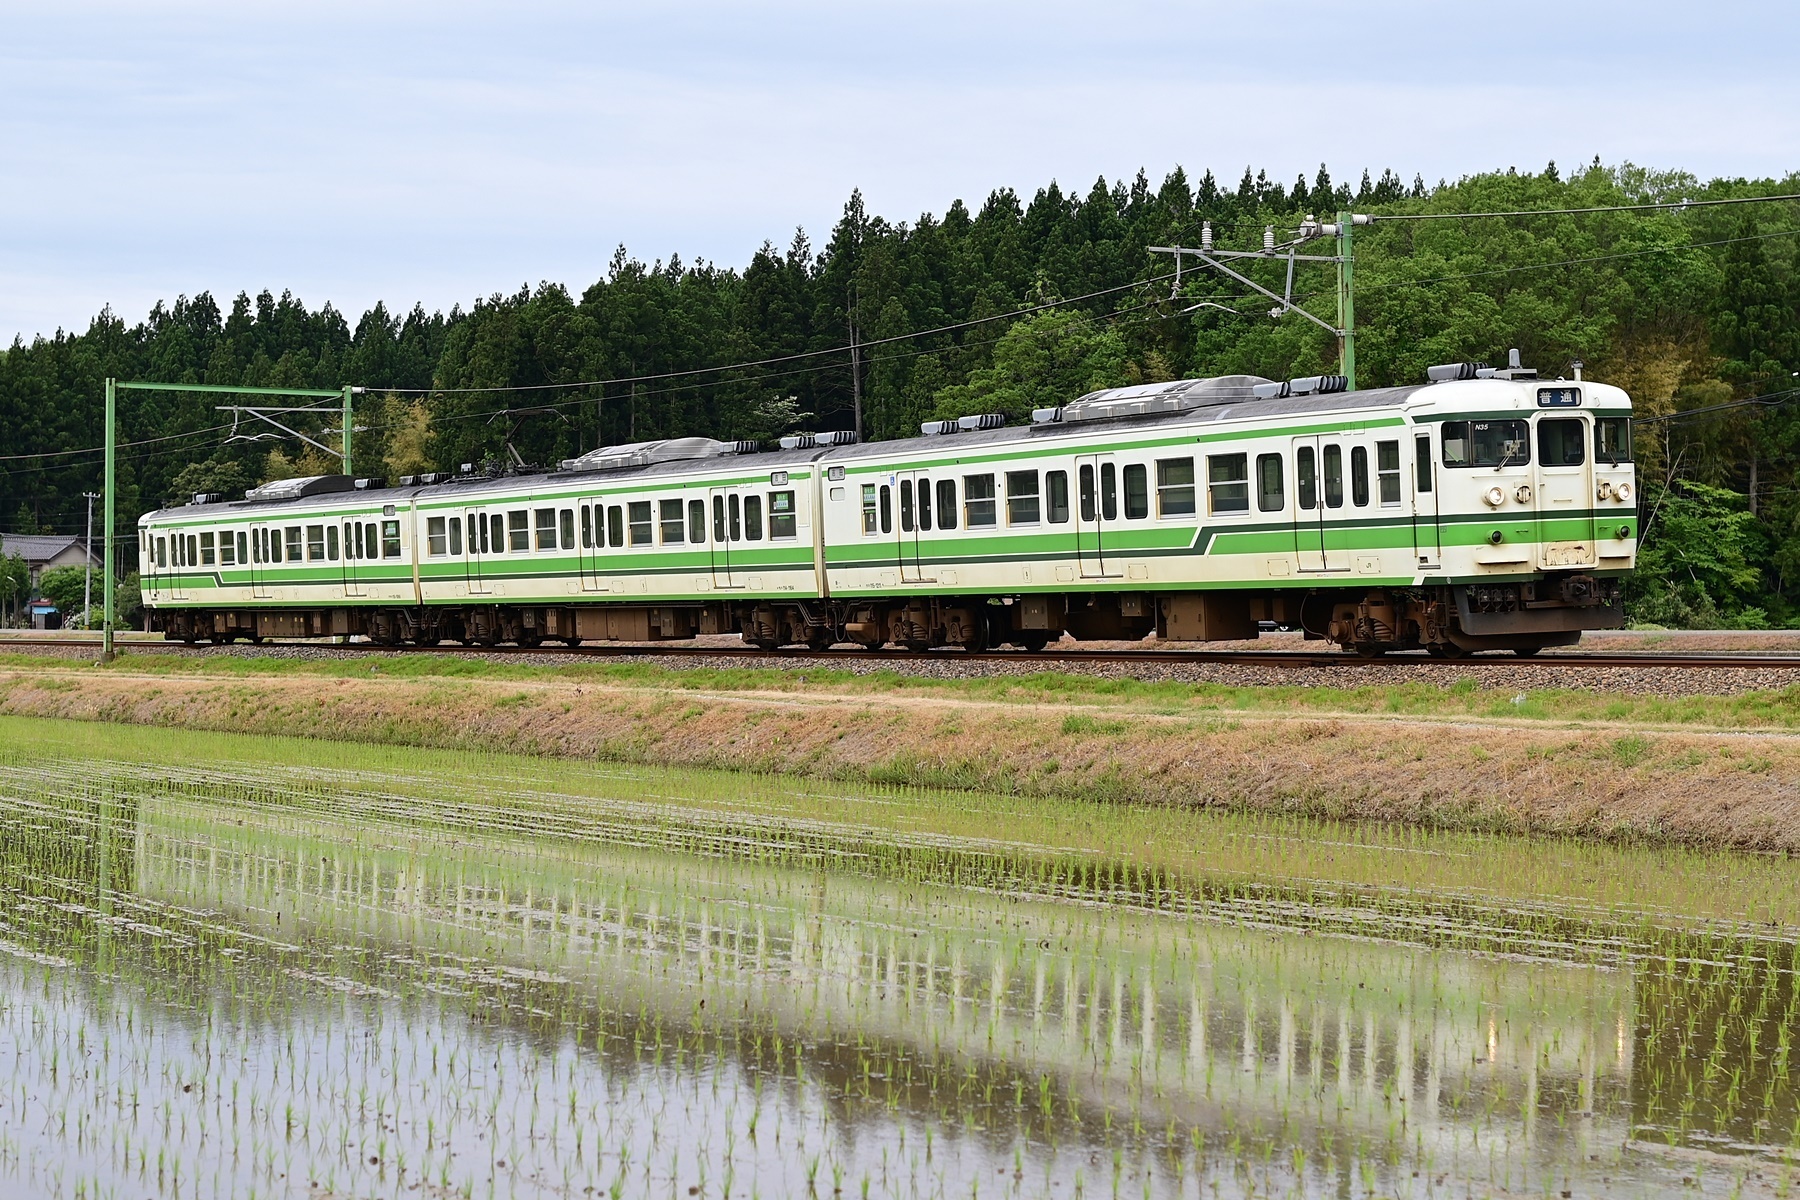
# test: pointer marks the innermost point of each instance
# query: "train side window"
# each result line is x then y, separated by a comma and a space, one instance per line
390, 539
734, 509
871, 520
1359, 476
374, 543
496, 538
206, 548
243, 548
1561, 442
1422, 462
1175, 486
437, 537
924, 505
887, 509
227, 551
946, 504
567, 520
1271, 488
315, 543
518, 530
1137, 492
1228, 483
546, 529
272, 551
193, 551
162, 553
782, 518
1087, 492
1056, 492
673, 525
1334, 476
331, 542
615, 526
1306, 473
587, 527
456, 536
1024, 505
697, 522
1109, 493
978, 501
640, 522
906, 506
292, 533
1612, 440
753, 526
1387, 473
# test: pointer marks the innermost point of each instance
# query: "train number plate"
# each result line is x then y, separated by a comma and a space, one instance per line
1568, 554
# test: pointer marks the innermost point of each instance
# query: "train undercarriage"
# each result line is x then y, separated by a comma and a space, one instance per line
1444, 621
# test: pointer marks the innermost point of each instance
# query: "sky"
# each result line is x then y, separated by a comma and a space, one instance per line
438, 152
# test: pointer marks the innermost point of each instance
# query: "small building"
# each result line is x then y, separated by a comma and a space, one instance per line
44, 552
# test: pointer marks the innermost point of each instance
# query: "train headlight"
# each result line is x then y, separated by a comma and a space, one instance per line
1623, 492
1604, 490
1523, 494
1495, 496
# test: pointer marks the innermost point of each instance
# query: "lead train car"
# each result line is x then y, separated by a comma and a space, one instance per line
1489, 511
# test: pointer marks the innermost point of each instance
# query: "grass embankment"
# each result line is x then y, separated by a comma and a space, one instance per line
1712, 770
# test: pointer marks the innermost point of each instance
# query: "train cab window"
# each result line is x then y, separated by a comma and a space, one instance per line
978, 501
243, 547
871, 520
206, 548
924, 486
315, 543
906, 506
1024, 505
1227, 483
292, 534
1422, 462
1056, 494
734, 510
518, 530
1175, 486
639, 512
566, 518
674, 526
1333, 457
1306, 478
1387, 473
1612, 440
697, 522
227, 551
495, 541
1487, 443
1359, 476
1271, 488
1562, 442
455, 538
546, 528
587, 527
753, 525
390, 539
615, 526
783, 519
1137, 492
437, 537
1109, 492
946, 504
162, 553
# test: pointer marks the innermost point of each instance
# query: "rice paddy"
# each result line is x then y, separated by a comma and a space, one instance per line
244, 966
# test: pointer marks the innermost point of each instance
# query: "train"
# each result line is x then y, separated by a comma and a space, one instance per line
1482, 509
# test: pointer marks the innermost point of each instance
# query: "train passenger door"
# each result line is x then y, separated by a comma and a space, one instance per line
179, 566
727, 528
916, 513
260, 537
475, 552
1319, 540
593, 541
356, 548
1427, 536
1097, 511
1563, 477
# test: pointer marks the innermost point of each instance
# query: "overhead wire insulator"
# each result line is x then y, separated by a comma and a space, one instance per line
1268, 237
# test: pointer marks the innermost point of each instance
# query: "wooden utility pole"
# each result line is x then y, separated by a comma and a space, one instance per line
855, 368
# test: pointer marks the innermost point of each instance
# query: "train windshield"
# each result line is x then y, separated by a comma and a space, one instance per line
1486, 443
1612, 440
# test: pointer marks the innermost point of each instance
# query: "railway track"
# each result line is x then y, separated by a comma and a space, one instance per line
1272, 658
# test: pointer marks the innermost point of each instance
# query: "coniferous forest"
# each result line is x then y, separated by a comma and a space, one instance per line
1013, 304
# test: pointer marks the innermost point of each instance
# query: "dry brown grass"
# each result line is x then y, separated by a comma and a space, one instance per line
1707, 787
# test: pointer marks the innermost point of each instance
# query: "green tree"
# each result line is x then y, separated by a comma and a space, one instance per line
63, 587
1042, 361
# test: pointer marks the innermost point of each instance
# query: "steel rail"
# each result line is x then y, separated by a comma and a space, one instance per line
1276, 658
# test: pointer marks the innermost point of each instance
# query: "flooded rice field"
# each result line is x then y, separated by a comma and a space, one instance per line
235, 967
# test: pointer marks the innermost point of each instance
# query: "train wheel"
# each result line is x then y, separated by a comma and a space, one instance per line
426, 641
821, 640
1368, 650
571, 643
764, 643
1526, 651
1034, 641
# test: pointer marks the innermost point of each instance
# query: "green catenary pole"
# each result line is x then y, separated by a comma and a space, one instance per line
347, 468
1347, 299
106, 652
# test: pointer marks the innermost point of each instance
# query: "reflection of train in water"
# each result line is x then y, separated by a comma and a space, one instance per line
1487, 509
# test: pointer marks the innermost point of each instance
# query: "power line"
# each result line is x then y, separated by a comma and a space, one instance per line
1565, 212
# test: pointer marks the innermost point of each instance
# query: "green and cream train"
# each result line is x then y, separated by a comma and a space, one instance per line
1486, 509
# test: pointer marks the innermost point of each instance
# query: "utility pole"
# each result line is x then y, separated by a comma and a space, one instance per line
347, 429
1347, 298
855, 371
106, 571
87, 572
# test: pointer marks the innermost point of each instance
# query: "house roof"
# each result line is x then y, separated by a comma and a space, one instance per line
38, 548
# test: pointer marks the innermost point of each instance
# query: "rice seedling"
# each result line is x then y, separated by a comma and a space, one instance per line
237, 966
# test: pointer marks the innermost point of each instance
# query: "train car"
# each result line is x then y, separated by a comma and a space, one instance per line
1484, 509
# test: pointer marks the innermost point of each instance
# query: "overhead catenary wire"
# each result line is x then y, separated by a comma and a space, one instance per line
1601, 208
